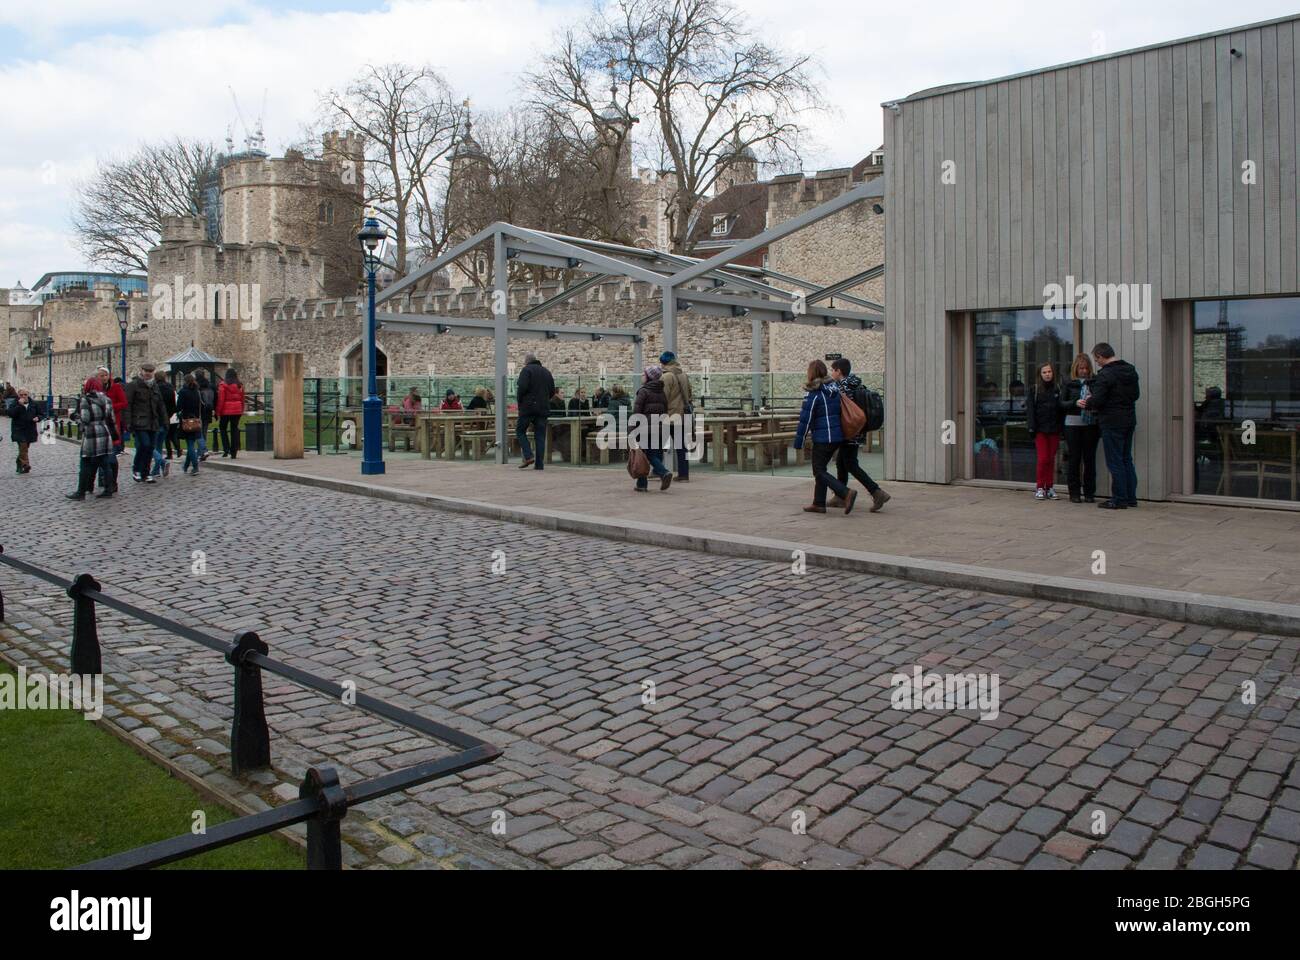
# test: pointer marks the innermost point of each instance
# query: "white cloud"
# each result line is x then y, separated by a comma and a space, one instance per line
167, 72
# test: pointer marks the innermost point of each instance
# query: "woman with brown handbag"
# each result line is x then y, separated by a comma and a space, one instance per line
189, 409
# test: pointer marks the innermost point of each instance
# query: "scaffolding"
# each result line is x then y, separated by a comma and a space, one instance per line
716, 287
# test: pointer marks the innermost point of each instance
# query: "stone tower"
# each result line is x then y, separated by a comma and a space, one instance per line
470, 183
300, 202
740, 165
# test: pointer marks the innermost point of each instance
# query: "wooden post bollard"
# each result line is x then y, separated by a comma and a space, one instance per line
286, 396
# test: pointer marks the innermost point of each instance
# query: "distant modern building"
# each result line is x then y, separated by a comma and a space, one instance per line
1156, 189
53, 285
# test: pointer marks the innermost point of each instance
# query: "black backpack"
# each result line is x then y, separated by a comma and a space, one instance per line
873, 405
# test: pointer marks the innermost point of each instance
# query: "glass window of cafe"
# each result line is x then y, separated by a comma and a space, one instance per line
1246, 396
1009, 348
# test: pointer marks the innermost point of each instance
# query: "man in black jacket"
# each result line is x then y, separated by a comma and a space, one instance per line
145, 415
1115, 393
534, 390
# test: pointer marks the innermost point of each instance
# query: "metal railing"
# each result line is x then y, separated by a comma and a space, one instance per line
322, 801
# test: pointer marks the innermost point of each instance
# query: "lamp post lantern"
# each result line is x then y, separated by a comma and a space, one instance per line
123, 311
371, 237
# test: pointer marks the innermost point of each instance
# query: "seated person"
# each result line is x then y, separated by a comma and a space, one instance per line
579, 404
600, 399
479, 400
451, 401
557, 403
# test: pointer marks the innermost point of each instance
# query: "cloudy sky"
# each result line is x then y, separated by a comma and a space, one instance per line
85, 80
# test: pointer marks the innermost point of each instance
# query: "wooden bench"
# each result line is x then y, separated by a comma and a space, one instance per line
407, 431
766, 447
475, 443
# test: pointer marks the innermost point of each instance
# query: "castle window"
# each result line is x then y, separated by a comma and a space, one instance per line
325, 214
644, 221
216, 308
720, 225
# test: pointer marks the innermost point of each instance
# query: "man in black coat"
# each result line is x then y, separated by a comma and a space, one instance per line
1115, 393
145, 416
534, 390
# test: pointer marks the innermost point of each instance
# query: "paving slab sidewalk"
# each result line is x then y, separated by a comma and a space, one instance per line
1251, 555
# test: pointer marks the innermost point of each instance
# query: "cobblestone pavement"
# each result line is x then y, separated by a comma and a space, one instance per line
771, 694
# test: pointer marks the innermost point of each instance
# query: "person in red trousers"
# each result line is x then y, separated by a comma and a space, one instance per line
1045, 421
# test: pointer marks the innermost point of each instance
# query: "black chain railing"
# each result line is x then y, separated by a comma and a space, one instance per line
323, 802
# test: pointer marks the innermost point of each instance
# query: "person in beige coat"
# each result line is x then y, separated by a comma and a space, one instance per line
677, 387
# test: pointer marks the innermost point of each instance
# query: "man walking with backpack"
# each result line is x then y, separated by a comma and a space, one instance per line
846, 458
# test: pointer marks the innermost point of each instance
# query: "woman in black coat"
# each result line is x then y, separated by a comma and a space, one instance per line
24, 415
652, 404
1081, 432
189, 410
1045, 419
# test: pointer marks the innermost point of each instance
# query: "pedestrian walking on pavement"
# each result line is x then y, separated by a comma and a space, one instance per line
677, 391
230, 407
821, 414
94, 411
846, 458
652, 403
189, 411
163, 439
117, 397
208, 398
533, 391
146, 415
24, 415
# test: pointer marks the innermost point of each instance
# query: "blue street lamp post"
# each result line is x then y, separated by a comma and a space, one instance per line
123, 310
372, 448
49, 380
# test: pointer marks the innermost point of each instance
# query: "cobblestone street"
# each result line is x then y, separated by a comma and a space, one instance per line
771, 690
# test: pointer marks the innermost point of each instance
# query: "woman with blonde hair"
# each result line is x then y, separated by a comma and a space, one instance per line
1081, 432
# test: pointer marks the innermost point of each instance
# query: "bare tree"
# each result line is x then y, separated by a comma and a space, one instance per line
409, 119
117, 215
711, 86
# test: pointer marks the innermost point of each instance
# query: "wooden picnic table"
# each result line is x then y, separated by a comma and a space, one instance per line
727, 428
429, 420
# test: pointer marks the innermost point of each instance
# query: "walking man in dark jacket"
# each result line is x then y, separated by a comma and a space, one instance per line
846, 457
1115, 393
145, 416
534, 390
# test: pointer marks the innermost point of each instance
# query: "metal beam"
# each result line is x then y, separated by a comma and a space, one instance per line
834, 289
793, 225
806, 285
601, 262
753, 303
565, 295
486, 327
393, 289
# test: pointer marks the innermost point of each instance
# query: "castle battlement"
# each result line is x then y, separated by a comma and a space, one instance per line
464, 301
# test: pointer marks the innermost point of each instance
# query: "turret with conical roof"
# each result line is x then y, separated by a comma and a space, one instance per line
738, 165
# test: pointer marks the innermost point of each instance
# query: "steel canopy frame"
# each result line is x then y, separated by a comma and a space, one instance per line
735, 290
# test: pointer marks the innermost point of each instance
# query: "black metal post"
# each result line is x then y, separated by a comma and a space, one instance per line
324, 836
318, 423
250, 739
85, 634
